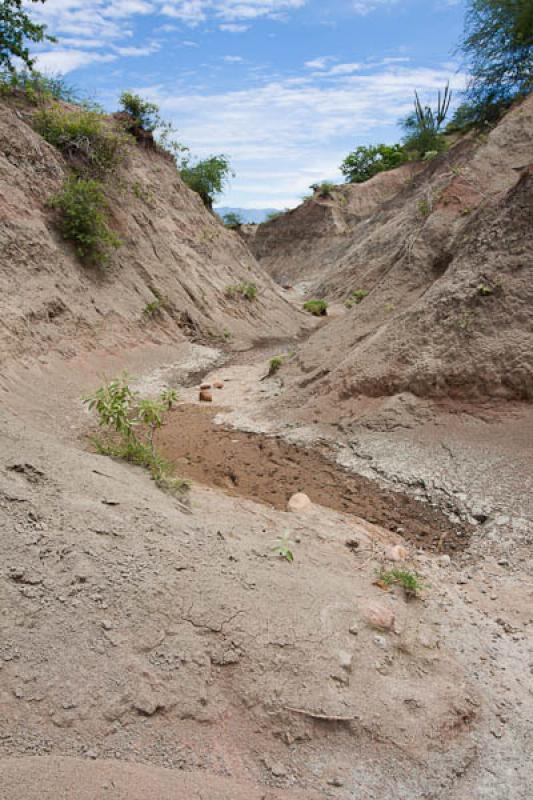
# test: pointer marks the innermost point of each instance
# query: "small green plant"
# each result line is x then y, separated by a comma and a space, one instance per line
207, 177
83, 136
283, 548
131, 423
409, 581
466, 320
324, 189
358, 295
143, 193
365, 162
424, 208
36, 87
274, 365
83, 207
318, 308
389, 307
246, 290
484, 290
226, 334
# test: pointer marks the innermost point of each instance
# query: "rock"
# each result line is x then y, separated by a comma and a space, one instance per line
397, 553
106, 624
380, 617
345, 660
444, 561
381, 642
299, 502
354, 630
205, 396
218, 385
205, 386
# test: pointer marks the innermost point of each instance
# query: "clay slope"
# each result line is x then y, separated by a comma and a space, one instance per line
308, 240
172, 247
447, 263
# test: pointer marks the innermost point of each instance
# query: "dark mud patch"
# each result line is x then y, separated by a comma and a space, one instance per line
270, 470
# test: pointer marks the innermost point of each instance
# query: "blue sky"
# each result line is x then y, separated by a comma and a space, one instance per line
285, 88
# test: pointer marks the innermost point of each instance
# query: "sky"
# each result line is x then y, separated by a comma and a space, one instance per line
284, 88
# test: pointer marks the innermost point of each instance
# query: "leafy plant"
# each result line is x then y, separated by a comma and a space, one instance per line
131, 423
274, 365
283, 548
484, 290
207, 177
424, 207
83, 137
355, 298
38, 88
409, 581
143, 113
246, 290
319, 308
83, 205
324, 189
17, 28
232, 220
365, 162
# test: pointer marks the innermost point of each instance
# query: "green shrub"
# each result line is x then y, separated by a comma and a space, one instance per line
37, 87
83, 205
424, 207
246, 290
274, 365
365, 162
130, 423
319, 308
144, 114
324, 189
83, 137
208, 177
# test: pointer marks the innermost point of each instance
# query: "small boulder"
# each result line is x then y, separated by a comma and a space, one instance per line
380, 617
218, 384
397, 553
205, 396
299, 502
205, 386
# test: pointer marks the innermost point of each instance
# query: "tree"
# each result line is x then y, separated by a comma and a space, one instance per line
498, 48
232, 219
16, 28
208, 177
365, 162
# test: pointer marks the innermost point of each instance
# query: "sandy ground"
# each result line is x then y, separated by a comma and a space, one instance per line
176, 651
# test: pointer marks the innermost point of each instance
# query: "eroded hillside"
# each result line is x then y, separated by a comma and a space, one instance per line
172, 251
446, 262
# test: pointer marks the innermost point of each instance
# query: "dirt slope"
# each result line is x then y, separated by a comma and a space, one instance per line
172, 247
448, 264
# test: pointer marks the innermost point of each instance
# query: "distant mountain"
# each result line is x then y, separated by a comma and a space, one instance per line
249, 216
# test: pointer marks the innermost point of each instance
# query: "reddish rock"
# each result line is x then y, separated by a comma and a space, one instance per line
205, 396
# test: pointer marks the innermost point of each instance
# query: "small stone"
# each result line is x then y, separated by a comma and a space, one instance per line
106, 624
19, 693
91, 754
336, 781
444, 561
218, 385
299, 502
345, 660
354, 630
205, 386
205, 396
381, 642
380, 617
397, 553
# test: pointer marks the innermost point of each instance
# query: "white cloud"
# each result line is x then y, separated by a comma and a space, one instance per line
319, 63
148, 50
192, 12
64, 61
300, 130
233, 27
364, 7
233, 59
